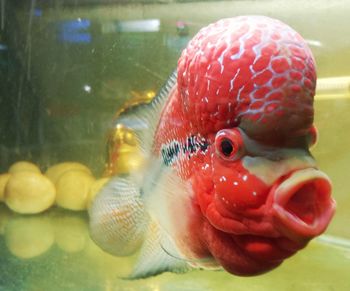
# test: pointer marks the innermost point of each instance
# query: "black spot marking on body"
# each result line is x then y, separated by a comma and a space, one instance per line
172, 151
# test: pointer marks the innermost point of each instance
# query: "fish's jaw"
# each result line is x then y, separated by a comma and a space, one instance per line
246, 248
233, 257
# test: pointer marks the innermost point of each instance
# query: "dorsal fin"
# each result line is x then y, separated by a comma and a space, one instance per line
144, 118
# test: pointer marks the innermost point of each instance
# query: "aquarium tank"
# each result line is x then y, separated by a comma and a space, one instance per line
72, 71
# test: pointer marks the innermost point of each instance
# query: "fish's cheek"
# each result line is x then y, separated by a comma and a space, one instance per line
203, 186
237, 190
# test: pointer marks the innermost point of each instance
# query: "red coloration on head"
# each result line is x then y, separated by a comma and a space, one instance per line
242, 65
246, 86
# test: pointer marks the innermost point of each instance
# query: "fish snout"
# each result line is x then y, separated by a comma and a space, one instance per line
302, 206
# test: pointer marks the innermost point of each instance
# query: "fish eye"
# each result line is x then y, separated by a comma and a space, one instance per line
226, 147
229, 144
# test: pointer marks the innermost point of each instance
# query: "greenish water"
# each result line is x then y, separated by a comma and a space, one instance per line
53, 251
58, 96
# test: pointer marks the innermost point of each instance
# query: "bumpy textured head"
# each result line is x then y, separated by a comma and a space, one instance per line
255, 73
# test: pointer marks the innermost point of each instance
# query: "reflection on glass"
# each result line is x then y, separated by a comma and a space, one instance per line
149, 25
5, 215
71, 233
55, 253
74, 31
335, 87
29, 237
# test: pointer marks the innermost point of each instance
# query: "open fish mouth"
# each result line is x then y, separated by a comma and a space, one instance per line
297, 209
302, 206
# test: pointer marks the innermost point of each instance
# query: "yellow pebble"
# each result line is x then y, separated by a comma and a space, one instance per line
28, 237
24, 166
29, 192
107, 265
56, 171
3, 181
95, 188
73, 189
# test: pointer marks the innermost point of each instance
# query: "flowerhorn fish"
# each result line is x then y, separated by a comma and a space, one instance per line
228, 179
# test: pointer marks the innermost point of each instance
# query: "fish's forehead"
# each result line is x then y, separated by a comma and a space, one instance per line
252, 71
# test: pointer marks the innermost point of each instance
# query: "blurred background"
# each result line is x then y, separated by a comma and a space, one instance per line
66, 67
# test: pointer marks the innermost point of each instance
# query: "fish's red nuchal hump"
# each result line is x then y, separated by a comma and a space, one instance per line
250, 71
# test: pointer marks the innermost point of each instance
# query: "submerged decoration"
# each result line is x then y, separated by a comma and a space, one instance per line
228, 179
27, 190
123, 154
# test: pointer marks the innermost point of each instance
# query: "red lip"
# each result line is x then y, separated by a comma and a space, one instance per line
302, 206
236, 255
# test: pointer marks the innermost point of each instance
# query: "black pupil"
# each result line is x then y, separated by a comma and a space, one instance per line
226, 147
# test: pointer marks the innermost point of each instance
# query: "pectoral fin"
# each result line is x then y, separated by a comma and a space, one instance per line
118, 220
